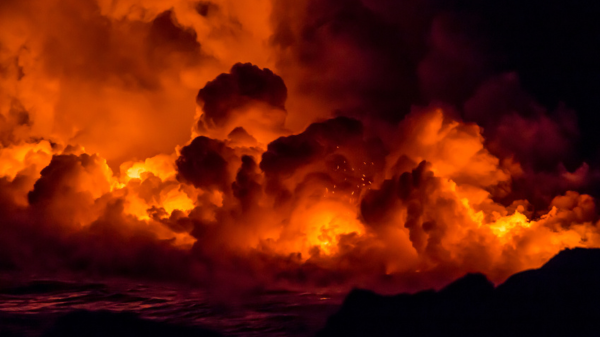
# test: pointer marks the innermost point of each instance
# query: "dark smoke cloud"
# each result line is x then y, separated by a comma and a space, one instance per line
411, 190
206, 8
490, 63
348, 55
244, 84
239, 135
47, 238
459, 58
287, 154
554, 48
14, 126
515, 124
204, 163
247, 187
517, 127
57, 176
169, 41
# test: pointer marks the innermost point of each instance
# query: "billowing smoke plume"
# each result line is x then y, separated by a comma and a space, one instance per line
266, 143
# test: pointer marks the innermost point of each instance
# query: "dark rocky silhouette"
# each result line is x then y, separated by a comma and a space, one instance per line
560, 299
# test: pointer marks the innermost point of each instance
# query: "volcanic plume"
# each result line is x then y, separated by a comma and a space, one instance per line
245, 144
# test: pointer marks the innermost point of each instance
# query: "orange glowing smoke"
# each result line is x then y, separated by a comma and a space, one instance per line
452, 219
257, 177
320, 226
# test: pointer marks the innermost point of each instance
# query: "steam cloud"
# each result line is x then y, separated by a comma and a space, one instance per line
333, 143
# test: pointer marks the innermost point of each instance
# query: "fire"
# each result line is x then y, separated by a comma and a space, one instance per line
325, 223
501, 226
509, 224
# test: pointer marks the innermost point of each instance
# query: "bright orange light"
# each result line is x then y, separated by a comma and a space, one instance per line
16, 158
510, 224
177, 199
321, 226
160, 165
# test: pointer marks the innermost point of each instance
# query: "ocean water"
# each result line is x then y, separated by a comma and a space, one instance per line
31, 308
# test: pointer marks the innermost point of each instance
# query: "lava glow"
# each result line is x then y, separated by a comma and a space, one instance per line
230, 142
321, 226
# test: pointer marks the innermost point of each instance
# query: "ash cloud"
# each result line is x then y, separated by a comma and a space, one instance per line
243, 84
286, 154
204, 163
464, 56
342, 52
376, 143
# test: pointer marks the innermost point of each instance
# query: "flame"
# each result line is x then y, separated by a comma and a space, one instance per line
322, 226
509, 224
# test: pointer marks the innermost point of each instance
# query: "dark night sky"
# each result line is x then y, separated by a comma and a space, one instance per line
555, 48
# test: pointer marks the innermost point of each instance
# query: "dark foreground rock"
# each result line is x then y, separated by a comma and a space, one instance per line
560, 299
